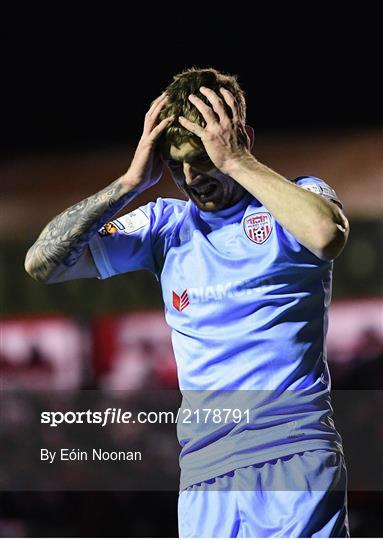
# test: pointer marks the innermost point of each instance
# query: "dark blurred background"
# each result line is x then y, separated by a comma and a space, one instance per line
75, 88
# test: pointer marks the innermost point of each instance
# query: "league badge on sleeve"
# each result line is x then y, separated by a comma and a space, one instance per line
110, 228
258, 227
127, 224
322, 189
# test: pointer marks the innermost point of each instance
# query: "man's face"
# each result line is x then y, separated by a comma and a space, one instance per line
197, 177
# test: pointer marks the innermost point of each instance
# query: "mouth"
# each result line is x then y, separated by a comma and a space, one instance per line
206, 193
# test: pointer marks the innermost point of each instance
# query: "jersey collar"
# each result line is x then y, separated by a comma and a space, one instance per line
228, 215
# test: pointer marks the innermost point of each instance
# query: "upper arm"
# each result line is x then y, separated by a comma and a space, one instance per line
83, 268
131, 242
135, 241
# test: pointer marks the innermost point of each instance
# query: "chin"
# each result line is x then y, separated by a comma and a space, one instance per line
210, 206
220, 203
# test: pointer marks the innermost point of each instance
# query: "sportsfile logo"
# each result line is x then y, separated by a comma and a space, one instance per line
181, 302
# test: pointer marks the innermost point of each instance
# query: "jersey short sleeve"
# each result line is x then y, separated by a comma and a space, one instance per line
316, 185
137, 240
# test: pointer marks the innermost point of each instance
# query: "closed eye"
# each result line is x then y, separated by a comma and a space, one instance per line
203, 162
173, 164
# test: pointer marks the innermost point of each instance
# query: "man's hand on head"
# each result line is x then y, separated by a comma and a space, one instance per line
222, 136
146, 168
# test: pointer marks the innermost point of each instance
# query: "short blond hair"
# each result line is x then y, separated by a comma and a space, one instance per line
189, 82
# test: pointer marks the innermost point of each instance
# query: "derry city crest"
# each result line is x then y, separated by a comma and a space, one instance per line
258, 227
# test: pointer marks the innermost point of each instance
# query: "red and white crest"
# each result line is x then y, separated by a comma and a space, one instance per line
258, 227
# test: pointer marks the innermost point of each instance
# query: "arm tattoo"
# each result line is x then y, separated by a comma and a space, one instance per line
65, 237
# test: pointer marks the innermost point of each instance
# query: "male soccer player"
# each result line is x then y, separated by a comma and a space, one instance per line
245, 269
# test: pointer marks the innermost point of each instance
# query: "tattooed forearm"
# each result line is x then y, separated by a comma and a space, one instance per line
65, 237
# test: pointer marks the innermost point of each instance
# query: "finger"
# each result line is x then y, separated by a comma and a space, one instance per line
216, 103
153, 113
229, 98
157, 103
156, 132
191, 126
205, 110
158, 100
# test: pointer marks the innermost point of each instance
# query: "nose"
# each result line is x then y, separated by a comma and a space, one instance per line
190, 173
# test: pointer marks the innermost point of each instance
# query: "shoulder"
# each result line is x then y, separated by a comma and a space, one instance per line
165, 209
154, 211
161, 205
319, 186
168, 203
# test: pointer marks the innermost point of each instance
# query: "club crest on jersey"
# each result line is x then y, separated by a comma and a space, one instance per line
180, 302
258, 227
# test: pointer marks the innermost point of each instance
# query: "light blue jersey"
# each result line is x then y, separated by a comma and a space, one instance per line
247, 305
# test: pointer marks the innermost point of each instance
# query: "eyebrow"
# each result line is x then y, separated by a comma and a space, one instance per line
192, 159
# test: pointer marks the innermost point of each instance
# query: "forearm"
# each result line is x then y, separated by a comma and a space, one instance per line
315, 222
65, 237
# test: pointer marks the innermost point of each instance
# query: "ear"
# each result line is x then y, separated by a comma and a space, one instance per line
250, 134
